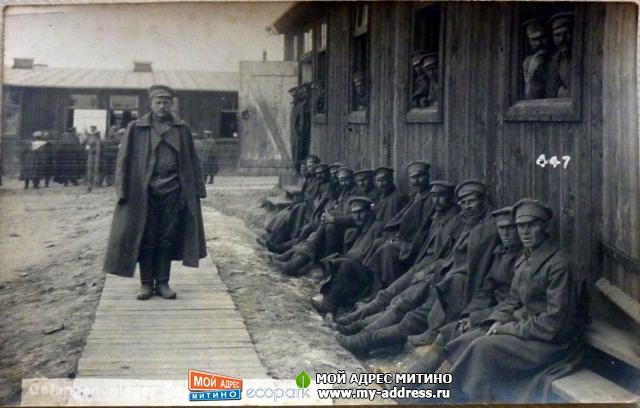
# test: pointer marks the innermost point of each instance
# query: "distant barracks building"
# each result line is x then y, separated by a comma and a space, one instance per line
37, 97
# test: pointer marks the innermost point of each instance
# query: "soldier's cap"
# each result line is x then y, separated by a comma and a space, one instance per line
442, 186
387, 171
360, 203
71, 129
121, 131
418, 166
345, 171
293, 90
504, 216
534, 27
335, 166
527, 210
313, 158
363, 173
417, 56
429, 59
161, 90
470, 186
38, 133
318, 84
559, 20
320, 167
358, 77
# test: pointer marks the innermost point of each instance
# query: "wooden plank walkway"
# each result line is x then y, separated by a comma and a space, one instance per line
162, 339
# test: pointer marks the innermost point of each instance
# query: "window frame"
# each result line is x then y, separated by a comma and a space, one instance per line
321, 117
355, 31
550, 109
432, 114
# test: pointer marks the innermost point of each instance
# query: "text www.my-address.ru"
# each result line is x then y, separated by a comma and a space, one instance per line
393, 393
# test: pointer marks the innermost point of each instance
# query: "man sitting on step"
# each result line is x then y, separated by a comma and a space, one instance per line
533, 336
470, 257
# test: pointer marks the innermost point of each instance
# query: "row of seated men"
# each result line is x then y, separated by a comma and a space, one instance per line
486, 295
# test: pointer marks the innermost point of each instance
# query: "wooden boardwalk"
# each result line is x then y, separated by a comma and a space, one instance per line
162, 339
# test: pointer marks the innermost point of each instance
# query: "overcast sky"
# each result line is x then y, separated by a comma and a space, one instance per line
194, 36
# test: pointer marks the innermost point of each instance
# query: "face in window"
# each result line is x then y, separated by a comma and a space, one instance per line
472, 204
161, 106
532, 233
562, 38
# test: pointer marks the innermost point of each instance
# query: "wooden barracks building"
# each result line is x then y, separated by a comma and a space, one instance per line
538, 99
37, 97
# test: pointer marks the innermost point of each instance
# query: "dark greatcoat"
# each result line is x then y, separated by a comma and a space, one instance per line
348, 279
539, 339
135, 163
494, 289
36, 160
392, 258
389, 205
472, 254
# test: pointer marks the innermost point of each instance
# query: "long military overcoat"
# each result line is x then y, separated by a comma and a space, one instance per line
542, 319
134, 167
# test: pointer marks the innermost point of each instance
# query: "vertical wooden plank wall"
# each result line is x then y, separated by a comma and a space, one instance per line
621, 149
473, 139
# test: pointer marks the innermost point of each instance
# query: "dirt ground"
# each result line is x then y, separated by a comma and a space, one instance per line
52, 245
51, 241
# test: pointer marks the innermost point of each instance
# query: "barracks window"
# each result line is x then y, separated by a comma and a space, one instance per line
425, 63
319, 85
545, 46
359, 64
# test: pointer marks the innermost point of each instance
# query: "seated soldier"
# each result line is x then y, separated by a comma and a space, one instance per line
391, 200
534, 335
444, 228
277, 229
494, 288
347, 278
409, 312
322, 193
393, 254
328, 238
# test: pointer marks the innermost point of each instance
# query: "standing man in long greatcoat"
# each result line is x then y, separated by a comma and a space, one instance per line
159, 185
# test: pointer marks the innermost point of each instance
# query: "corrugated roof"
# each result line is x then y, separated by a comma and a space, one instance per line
49, 77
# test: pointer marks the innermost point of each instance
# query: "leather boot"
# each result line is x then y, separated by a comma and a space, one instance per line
282, 247
163, 273
296, 266
284, 256
425, 339
427, 363
351, 329
368, 309
146, 278
358, 344
323, 304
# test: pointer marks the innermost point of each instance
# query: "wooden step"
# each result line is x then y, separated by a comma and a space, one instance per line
614, 341
585, 386
292, 190
277, 202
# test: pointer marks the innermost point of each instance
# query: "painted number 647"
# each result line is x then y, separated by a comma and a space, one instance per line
553, 161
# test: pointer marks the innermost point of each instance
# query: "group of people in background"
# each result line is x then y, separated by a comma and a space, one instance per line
66, 159
484, 294
70, 158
